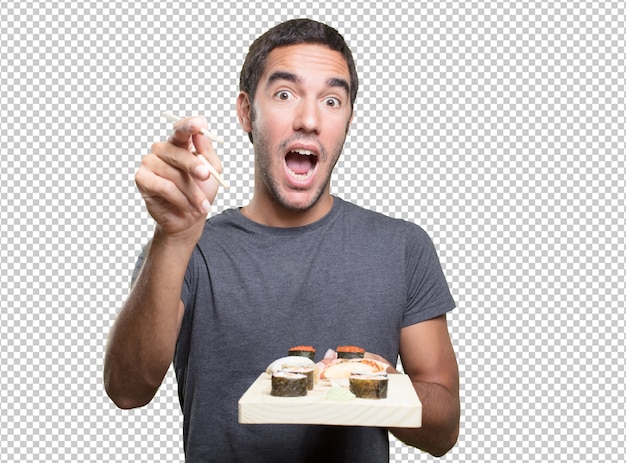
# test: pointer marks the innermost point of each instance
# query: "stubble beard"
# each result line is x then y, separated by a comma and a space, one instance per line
263, 161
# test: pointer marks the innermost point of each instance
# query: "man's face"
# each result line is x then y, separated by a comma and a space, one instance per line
299, 123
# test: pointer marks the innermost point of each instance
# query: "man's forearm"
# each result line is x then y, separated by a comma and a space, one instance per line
142, 341
440, 420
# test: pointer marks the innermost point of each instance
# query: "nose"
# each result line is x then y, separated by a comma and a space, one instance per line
307, 117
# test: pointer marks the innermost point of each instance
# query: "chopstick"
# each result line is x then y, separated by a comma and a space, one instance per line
212, 171
170, 117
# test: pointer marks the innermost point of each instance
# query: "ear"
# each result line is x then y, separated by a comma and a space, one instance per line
244, 108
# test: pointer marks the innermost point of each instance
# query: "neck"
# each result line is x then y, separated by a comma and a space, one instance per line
272, 214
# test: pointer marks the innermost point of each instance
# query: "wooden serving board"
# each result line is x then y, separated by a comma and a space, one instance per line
401, 408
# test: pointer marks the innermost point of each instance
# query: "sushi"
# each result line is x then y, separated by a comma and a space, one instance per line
369, 385
287, 384
284, 363
307, 371
296, 364
303, 351
350, 352
342, 368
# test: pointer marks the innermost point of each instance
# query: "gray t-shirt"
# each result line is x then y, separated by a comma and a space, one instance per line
251, 292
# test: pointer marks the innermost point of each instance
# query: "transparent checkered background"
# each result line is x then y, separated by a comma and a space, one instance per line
498, 126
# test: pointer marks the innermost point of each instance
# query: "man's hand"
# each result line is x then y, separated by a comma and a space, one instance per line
175, 183
178, 190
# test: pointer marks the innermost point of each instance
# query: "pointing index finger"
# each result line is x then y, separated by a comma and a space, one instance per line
172, 118
183, 131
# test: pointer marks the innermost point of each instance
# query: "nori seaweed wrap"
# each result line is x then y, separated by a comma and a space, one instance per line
350, 352
369, 386
309, 372
286, 384
303, 351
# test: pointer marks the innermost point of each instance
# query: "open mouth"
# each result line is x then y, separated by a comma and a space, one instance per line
301, 163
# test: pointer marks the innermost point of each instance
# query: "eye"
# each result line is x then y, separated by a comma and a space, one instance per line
333, 102
283, 95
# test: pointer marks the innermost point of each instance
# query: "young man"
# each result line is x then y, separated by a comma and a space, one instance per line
223, 298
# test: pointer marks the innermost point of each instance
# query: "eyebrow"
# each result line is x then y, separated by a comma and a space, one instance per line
340, 83
291, 77
283, 75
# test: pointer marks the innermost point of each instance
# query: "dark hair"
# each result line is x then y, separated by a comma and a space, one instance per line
293, 32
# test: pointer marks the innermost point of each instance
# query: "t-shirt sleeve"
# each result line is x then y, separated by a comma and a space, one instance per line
428, 294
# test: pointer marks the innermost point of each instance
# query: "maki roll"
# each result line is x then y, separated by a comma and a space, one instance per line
309, 372
350, 352
287, 384
296, 364
369, 385
303, 351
